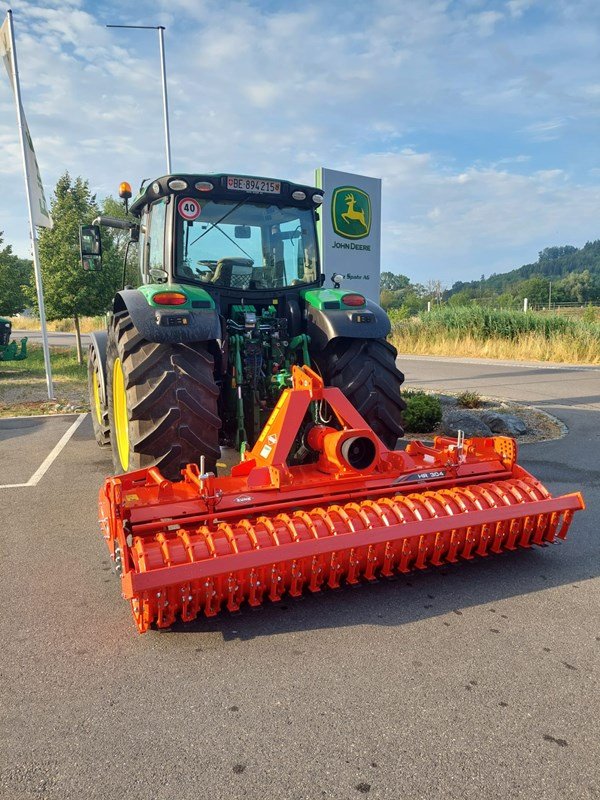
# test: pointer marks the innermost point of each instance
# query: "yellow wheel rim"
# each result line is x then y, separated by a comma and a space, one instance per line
96, 390
120, 414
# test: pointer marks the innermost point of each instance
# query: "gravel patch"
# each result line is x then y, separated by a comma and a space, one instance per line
541, 426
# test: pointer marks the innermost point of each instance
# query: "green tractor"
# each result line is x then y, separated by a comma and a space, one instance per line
10, 351
231, 297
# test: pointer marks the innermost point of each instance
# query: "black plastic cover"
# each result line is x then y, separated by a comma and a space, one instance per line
202, 326
322, 326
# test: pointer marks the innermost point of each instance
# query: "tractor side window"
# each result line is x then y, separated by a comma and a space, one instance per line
299, 255
156, 242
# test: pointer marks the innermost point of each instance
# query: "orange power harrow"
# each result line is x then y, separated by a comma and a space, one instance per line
359, 511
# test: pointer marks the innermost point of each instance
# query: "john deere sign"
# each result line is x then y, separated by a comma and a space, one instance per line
350, 230
351, 212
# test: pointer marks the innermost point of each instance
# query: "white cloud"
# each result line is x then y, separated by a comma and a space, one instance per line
451, 104
454, 226
547, 130
516, 8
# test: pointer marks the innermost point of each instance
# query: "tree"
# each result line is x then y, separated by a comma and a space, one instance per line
461, 298
552, 253
579, 286
414, 301
434, 289
393, 283
69, 291
389, 300
535, 289
15, 275
116, 208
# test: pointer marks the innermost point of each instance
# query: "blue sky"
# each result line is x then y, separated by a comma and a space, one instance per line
481, 117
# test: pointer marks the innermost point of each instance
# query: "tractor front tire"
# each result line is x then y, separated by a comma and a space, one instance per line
366, 372
162, 402
99, 410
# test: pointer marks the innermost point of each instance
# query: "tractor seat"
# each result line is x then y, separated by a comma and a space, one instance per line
233, 272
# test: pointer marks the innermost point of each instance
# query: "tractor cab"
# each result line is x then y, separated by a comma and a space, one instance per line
229, 234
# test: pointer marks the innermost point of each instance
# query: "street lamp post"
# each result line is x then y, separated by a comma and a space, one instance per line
163, 71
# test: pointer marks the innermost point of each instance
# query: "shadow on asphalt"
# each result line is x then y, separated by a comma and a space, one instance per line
12, 427
578, 400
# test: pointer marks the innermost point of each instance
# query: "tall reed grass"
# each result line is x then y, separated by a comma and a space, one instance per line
86, 324
467, 331
481, 332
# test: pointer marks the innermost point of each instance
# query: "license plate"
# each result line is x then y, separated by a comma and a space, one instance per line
253, 185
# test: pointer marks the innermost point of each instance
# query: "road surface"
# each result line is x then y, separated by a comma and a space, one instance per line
56, 339
477, 681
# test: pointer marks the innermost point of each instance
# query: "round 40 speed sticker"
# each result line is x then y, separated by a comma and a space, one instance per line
189, 208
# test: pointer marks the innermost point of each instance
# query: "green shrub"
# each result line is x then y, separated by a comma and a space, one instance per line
422, 413
469, 399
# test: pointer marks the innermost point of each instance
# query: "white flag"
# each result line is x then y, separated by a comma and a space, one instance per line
41, 214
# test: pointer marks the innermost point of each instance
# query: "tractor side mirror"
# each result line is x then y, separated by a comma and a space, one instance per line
90, 245
242, 232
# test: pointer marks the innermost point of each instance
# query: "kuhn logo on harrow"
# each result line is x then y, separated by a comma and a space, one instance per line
206, 542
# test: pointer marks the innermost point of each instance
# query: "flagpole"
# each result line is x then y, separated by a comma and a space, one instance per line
32, 230
163, 76
163, 71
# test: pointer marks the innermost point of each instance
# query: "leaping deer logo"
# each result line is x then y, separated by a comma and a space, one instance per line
353, 213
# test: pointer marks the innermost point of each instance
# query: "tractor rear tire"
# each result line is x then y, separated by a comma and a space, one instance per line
366, 372
99, 410
162, 402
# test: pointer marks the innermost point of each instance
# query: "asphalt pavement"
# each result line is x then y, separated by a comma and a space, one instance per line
55, 339
473, 681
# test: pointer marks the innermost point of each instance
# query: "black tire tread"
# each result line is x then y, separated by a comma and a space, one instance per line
101, 429
366, 372
171, 400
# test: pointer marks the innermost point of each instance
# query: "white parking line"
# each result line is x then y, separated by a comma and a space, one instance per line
50, 458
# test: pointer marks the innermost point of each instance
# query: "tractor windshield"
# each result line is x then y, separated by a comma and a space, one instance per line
246, 245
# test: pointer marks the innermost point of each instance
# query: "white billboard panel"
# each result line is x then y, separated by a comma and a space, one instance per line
350, 230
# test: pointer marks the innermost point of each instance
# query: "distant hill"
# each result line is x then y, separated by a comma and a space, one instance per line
556, 264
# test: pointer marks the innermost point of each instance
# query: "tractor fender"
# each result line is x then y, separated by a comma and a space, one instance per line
366, 322
164, 325
98, 341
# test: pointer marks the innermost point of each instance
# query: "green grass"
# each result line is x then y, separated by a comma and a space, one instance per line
23, 383
63, 361
496, 333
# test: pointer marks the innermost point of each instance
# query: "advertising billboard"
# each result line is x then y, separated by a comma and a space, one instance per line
350, 230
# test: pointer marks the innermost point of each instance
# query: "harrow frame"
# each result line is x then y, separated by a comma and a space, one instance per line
359, 511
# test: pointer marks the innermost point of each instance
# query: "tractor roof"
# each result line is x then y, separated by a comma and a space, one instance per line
267, 190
